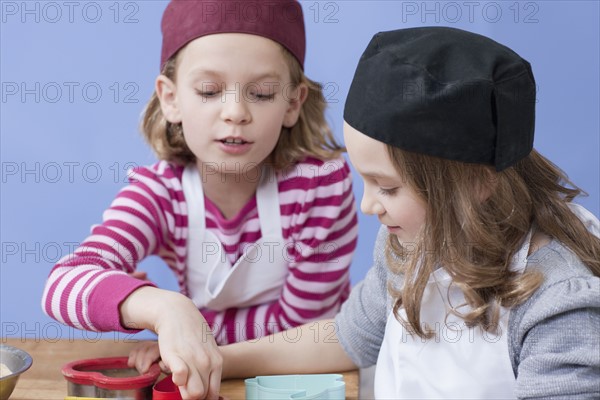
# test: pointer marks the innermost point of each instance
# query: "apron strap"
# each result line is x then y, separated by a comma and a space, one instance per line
194, 197
519, 260
267, 202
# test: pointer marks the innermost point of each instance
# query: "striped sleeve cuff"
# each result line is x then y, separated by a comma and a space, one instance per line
106, 298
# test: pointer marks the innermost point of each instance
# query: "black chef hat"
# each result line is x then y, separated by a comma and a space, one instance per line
444, 92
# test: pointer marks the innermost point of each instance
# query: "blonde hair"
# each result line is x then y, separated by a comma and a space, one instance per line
475, 240
310, 136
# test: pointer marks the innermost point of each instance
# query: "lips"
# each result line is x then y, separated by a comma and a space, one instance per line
393, 229
234, 141
388, 225
234, 145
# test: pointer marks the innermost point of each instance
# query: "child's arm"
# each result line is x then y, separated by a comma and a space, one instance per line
311, 348
86, 288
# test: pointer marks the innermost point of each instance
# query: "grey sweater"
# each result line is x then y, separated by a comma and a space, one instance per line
553, 338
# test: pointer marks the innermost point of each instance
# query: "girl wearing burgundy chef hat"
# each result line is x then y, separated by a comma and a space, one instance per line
486, 276
250, 205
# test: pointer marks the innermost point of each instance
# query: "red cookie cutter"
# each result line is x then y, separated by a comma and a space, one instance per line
108, 374
165, 389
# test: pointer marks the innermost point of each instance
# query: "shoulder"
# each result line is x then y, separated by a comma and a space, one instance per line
160, 182
568, 284
159, 170
558, 264
555, 331
311, 173
162, 173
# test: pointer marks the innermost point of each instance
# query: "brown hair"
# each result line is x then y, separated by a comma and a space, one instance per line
479, 238
310, 136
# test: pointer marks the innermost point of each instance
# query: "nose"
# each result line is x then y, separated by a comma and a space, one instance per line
234, 109
369, 204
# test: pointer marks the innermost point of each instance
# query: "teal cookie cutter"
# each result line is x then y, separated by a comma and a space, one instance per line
296, 387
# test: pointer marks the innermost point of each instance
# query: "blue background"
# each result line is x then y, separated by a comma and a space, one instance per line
76, 76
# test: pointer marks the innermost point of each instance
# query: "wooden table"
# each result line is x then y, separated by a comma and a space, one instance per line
44, 380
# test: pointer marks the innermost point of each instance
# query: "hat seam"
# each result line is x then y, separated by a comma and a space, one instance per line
397, 58
512, 77
216, 32
433, 78
493, 82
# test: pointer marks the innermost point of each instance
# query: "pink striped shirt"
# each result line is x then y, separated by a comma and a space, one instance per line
149, 217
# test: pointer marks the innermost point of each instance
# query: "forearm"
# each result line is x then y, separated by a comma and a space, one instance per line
289, 311
144, 307
310, 348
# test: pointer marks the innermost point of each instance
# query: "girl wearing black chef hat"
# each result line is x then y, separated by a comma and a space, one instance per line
486, 276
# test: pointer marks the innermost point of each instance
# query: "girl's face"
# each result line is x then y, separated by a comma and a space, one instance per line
386, 193
232, 94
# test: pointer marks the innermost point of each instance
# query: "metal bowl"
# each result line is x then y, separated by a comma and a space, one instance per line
18, 361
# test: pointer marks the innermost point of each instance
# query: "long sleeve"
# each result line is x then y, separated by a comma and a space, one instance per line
85, 288
319, 215
554, 342
149, 217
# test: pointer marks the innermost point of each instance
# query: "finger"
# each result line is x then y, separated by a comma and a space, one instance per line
179, 369
155, 351
197, 385
133, 358
163, 367
184, 393
150, 356
214, 385
143, 359
144, 363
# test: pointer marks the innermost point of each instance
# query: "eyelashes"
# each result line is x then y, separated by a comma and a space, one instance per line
387, 192
250, 96
206, 94
263, 97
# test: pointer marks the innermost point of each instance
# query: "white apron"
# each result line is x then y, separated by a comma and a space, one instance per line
259, 274
459, 362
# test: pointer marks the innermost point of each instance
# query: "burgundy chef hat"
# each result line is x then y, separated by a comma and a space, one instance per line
278, 20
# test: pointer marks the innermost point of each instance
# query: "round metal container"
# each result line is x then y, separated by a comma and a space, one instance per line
109, 378
18, 361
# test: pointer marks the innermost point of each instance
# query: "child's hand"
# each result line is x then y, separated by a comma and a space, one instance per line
143, 356
189, 351
185, 342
